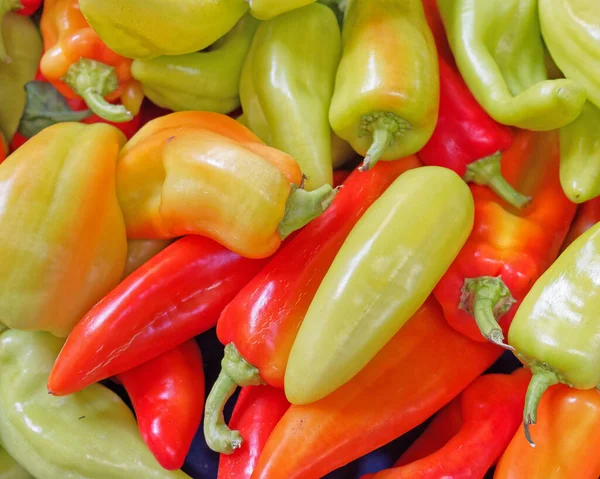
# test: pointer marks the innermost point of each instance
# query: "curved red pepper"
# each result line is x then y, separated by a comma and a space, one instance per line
587, 216
167, 394
29, 7
339, 176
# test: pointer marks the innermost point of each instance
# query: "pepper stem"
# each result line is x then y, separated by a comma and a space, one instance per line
5, 7
304, 206
92, 81
487, 172
235, 371
487, 299
384, 128
541, 380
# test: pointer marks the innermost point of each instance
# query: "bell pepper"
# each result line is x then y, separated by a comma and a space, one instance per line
62, 234
24, 45
206, 80
146, 29
587, 216
386, 95
205, 173
21, 7
499, 51
89, 434
175, 296
386, 269
267, 9
490, 410
167, 393
509, 248
79, 64
260, 324
11, 469
140, 251
257, 411
423, 367
566, 439
284, 113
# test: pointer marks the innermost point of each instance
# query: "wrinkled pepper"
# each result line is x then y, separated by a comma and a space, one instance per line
176, 295
62, 234
587, 216
89, 434
205, 173
140, 251
267, 9
284, 113
167, 394
509, 248
499, 51
423, 367
11, 469
386, 95
385, 270
259, 326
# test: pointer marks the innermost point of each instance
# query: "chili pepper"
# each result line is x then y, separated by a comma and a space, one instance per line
413, 376
508, 248
386, 93
60, 255
267, 9
499, 51
257, 411
260, 324
205, 173
419, 226
205, 80
339, 176
587, 216
140, 251
21, 7
167, 393
11, 469
283, 113
175, 296
89, 434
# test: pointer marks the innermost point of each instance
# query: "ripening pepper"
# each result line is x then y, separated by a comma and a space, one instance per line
205, 173
267, 9
20, 7
587, 216
285, 113
385, 270
11, 469
62, 234
499, 51
386, 95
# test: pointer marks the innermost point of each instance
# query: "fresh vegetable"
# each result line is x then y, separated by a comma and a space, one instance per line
587, 216
140, 251
21, 7
267, 9
11, 469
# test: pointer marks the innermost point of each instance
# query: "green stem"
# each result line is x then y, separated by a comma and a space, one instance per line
487, 172
541, 380
5, 7
384, 127
104, 109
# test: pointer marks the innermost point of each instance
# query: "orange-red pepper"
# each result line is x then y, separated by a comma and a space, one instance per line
587, 216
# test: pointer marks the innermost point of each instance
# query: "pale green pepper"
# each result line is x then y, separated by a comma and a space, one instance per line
11, 469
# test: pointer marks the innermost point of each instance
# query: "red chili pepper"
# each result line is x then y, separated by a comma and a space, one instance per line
587, 216
29, 7
257, 411
17, 141
176, 295
339, 176
167, 394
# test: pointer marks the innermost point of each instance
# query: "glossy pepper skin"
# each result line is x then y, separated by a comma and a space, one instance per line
509, 248
412, 377
11, 469
141, 318
60, 256
587, 216
206, 80
499, 51
89, 434
284, 113
167, 393
267, 9
260, 324
418, 225
21, 7
386, 95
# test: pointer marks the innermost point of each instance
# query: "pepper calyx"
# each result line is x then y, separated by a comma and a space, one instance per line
385, 127
541, 380
5, 7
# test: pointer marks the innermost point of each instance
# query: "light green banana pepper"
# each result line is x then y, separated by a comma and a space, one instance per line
11, 469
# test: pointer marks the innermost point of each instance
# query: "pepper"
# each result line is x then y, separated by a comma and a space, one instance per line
499, 51
167, 393
566, 439
284, 113
205, 173
419, 226
62, 234
423, 367
261, 322
386, 93
21, 7
509, 248
176, 295
146, 29
587, 216
267, 9
11, 469
257, 411
206, 80
140, 251
89, 434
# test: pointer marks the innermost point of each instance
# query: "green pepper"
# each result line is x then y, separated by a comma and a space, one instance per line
90, 434
11, 469
267, 9
287, 84
499, 51
24, 46
205, 81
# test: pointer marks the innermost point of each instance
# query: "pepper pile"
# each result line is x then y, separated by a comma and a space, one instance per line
378, 218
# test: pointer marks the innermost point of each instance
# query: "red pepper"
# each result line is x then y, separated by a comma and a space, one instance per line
257, 411
491, 411
176, 295
29, 7
587, 216
508, 248
167, 394
339, 176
